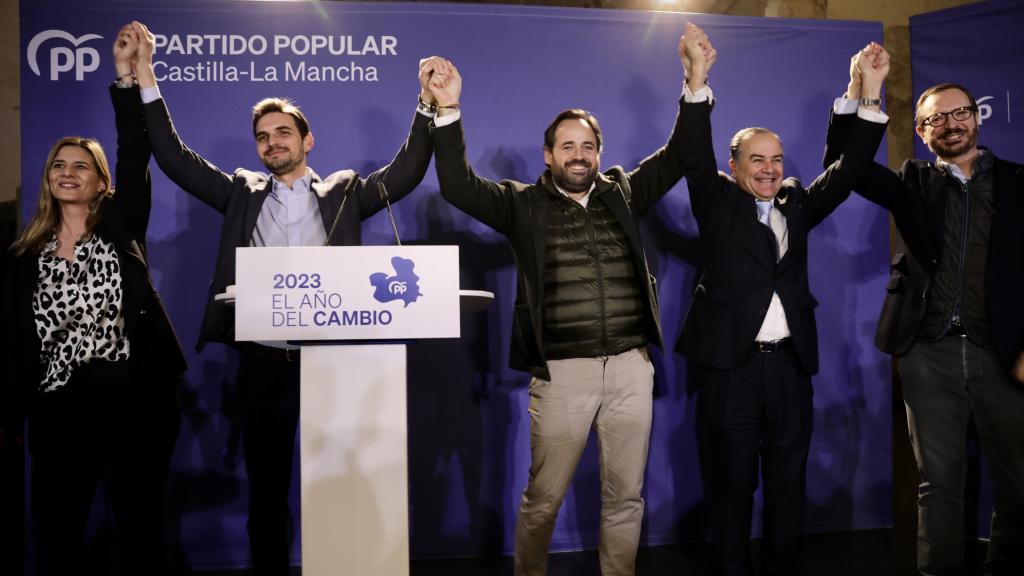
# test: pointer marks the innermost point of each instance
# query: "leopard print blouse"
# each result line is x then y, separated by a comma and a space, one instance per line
77, 309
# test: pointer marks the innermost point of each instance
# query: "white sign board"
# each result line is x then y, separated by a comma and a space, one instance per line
347, 293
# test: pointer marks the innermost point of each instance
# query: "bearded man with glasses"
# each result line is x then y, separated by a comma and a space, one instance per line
954, 318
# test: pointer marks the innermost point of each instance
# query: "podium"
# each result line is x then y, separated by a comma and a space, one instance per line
351, 309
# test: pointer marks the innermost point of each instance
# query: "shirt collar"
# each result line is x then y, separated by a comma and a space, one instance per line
304, 183
582, 199
51, 245
982, 162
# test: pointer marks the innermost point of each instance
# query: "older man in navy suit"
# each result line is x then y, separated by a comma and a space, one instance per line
750, 333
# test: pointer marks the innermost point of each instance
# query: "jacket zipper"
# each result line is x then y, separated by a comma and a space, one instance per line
600, 280
958, 298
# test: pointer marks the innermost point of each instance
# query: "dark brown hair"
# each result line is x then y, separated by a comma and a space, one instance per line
284, 106
935, 90
572, 114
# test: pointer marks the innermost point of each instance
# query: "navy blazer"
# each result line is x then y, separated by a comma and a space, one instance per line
741, 271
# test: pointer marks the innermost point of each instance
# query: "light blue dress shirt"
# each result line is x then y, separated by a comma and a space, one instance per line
290, 216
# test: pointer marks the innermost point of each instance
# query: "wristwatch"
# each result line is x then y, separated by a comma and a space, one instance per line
425, 107
125, 81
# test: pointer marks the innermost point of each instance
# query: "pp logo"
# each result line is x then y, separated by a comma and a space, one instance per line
77, 58
984, 110
404, 285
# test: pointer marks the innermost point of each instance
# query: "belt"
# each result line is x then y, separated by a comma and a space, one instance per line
774, 345
279, 354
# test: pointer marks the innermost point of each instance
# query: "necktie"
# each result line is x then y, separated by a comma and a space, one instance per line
767, 215
763, 208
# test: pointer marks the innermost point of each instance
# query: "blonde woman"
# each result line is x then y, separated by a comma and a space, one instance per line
96, 357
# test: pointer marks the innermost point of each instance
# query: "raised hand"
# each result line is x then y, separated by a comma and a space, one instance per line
445, 84
144, 54
147, 42
853, 88
697, 55
126, 46
427, 68
868, 70
873, 64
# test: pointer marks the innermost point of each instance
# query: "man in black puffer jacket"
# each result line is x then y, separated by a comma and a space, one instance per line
585, 311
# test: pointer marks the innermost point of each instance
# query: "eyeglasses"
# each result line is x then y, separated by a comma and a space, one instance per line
939, 118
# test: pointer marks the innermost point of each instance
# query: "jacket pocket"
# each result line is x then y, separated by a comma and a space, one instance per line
897, 282
714, 294
898, 274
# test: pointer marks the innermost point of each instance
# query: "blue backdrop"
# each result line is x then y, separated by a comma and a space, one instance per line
468, 423
984, 58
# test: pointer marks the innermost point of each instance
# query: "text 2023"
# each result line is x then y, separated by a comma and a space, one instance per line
283, 281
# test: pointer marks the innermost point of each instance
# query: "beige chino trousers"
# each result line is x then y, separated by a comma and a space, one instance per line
612, 395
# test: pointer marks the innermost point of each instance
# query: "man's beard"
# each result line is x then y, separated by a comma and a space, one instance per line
282, 164
952, 150
570, 182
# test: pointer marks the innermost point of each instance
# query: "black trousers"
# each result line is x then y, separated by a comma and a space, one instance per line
270, 416
101, 424
12, 485
945, 385
759, 414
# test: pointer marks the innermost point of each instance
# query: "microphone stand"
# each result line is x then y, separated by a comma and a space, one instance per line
383, 193
337, 217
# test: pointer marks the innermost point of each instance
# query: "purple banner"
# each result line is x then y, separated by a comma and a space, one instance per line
987, 37
352, 67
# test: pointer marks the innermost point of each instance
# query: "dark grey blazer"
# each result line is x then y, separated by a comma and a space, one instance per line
239, 197
913, 196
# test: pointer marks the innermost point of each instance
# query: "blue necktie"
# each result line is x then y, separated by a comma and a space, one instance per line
763, 208
777, 224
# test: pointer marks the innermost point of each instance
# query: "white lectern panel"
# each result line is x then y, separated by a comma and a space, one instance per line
355, 511
347, 293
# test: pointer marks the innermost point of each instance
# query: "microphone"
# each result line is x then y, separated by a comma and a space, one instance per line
383, 192
337, 217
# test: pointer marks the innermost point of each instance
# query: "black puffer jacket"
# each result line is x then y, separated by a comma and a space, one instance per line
593, 302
